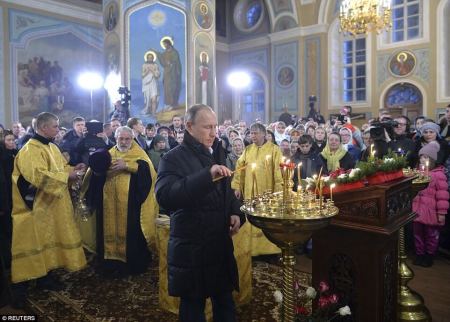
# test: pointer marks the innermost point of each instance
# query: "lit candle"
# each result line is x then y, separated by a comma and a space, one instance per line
372, 153
331, 190
427, 164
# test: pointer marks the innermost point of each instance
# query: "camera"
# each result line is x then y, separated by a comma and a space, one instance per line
125, 96
377, 129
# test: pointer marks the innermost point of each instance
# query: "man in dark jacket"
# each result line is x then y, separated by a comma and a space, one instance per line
72, 138
204, 216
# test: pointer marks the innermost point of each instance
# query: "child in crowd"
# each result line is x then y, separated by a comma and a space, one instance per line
431, 205
310, 159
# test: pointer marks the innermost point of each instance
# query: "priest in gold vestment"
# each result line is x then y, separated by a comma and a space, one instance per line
45, 236
125, 206
267, 157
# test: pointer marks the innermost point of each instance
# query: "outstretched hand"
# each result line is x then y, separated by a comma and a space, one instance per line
220, 171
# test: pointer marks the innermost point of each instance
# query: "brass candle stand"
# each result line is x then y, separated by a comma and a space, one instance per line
411, 306
288, 219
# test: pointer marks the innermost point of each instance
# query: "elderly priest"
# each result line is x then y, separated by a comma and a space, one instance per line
121, 184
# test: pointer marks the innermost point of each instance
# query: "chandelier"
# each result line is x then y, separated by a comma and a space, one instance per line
363, 16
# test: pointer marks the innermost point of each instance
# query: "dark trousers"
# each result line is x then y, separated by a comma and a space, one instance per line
193, 309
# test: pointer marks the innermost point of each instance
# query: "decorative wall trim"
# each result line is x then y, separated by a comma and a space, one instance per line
315, 41
442, 77
64, 9
275, 37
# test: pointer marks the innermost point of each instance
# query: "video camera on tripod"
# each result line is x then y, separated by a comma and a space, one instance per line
125, 96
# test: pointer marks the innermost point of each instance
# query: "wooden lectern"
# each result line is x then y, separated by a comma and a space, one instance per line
357, 254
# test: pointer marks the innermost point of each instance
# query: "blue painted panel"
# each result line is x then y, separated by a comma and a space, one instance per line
285, 77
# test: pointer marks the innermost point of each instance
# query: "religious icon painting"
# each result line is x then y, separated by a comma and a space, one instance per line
402, 63
111, 15
285, 76
203, 15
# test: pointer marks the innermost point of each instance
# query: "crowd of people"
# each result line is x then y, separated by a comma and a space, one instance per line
133, 171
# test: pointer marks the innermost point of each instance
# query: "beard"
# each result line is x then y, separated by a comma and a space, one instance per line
123, 148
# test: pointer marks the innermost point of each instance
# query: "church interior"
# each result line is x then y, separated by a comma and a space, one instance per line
251, 61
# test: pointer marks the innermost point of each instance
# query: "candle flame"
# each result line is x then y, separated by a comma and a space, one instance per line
267, 157
332, 186
253, 166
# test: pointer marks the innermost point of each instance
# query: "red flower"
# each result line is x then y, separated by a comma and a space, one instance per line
301, 310
323, 287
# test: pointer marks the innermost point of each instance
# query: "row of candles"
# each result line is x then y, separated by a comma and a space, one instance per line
286, 167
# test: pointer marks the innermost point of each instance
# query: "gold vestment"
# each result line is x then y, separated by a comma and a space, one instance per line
45, 237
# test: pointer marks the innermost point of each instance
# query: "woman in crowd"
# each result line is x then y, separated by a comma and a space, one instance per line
320, 139
270, 137
335, 155
430, 133
237, 147
279, 132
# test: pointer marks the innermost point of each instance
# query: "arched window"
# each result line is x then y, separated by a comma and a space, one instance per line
348, 77
406, 20
253, 100
353, 66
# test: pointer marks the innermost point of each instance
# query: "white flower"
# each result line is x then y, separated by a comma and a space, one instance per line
342, 176
311, 292
344, 311
387, 160
354, 172
278, 296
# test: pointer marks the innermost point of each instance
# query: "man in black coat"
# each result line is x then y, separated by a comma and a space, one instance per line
203, 216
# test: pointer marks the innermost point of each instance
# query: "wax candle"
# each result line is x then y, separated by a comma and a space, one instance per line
299, 172
267, 167
427, 165
242, 182
331, 190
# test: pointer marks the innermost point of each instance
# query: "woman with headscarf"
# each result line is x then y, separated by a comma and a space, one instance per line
335, 155
237, 147
430, 133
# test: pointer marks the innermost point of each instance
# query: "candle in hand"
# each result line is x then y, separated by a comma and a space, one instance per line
427, 165
267, 167
331, 190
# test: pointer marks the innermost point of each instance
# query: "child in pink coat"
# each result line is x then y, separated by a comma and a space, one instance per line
431, 205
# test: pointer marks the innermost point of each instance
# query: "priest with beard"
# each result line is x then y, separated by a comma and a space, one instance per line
119, 188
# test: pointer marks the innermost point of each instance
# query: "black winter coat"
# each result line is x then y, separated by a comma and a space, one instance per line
200, 252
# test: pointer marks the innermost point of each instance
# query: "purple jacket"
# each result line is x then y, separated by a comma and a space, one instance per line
431, 204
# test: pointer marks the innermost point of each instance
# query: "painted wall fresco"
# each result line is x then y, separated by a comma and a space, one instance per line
284, 62
203, 15
157, 62
204, 62
112, 69
48, 55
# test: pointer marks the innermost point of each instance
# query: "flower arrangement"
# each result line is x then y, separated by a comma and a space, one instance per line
329, 304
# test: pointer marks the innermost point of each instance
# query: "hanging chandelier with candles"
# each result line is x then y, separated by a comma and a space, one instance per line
364, 16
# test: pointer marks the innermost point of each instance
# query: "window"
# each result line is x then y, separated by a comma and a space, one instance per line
253, 100
353, 70
253, 14
406, 20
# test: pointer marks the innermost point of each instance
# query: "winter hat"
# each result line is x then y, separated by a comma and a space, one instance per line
431, 150
430, 126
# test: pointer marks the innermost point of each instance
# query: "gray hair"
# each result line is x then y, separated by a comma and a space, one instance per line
191, 113
44, 118
258, 127
123, 129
